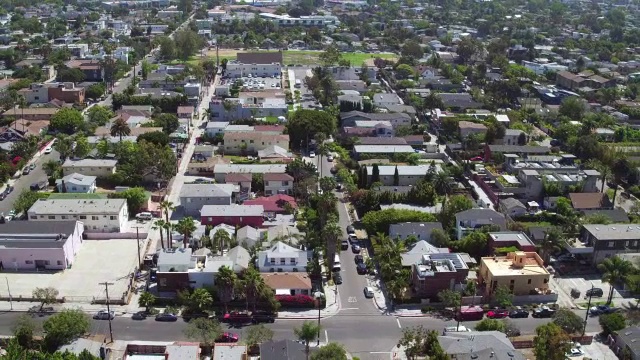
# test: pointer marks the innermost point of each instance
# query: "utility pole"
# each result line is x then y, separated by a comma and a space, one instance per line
586, 316
9, 292
138, 243
106, 290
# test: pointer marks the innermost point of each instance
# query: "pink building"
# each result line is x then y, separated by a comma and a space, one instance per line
240, 215
42, 245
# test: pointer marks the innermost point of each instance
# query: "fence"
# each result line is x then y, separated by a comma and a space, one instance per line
112, 236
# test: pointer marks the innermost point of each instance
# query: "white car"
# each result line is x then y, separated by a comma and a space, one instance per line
368, 292
312, 154
575, 352
48, 150
330, 158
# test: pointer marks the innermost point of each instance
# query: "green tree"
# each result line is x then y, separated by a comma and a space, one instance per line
573, 108
442, 183
614, 270
200, 300
396, 177
136, 198
95, 91
146, 300
52, 168
551, 342
45, 296
304, 124
99, 115
82, 148
502, 296
551, 243
66, 120
167, 48
404, 71
568, 321
257, 334
162, 226
167, 206
439, 238
189, 41
120, 128
145, 70
221, 239
64, 327
225, 284
26, 199
331, 56
155, 137
168, 122
490, 325
205, 331
451, 207
333, 351
612, 322
378, 221
307, 333
186, 226
23, 329
413, 340
449, 298
254, 286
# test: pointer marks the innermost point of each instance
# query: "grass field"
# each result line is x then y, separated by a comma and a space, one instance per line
309, 57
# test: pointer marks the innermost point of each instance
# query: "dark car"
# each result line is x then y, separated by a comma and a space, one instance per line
237, 317
344, 245
337, 278
355, 248
166, 317
263, 317
358, 259
26, 171
351, 230
227, 338
602, 309
361, 268
595, 292
8, 190
519, 313
543, 312
140, 315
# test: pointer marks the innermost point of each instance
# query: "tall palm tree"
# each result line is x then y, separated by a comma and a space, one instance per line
331, 232
442, 183
120, 128
614, 270
307, 333
225, 282
186, 226
253, 285
551, 243
167, 206
160, 225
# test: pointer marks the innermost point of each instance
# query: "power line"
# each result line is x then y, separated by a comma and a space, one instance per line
106, 290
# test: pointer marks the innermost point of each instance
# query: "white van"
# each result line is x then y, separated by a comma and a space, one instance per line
336, 264
144, 216
456, 329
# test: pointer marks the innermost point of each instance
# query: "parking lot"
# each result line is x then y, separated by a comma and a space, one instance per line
255, 83
97, 261
308, 101
584, 283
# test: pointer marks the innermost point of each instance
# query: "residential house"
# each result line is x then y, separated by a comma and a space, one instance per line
77, 183
513, 136
626, 343
104, 131
20, 129
458, 101
248, 107
470, 220
407, 174
468, 128
194, 196
569, 80
172, 351
525, 151
215, 127
297, 283
36, 93
97, 215
350, 118
42, 113
50, 245
601, 241
590, 201
383, 100
240, 179
414, 255
422, 231
224, 351
382, 150
92, 69
505, 239
281, 257
437, 272
90, 167
237, 69
185, 112
249, 142
512, 207
381, 141
274, 204
221, 170
283, 350
235, 215
479, 345
248, 236
523, 273
67, 92
277, 183
275, 153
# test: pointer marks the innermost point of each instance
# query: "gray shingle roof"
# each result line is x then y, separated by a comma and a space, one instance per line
208, 190
77, 179
35, 234
232, 210
77, 206
486, 345
90, 163
283, 350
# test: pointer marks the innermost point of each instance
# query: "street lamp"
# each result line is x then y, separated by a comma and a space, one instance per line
318, 296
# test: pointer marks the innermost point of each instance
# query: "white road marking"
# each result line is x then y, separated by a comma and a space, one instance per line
380, 352
398, 320
349, 308
326, 336
353, 299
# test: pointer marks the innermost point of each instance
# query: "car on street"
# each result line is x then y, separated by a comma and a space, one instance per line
104, 315
337, 278
594, 292
518, 313
543, 312
8, 190
166, 317
330, 158
355, 248
358, 259
344, 245
237, 317
26, 170
361, 268
140, 315
368, 292
48, 150
497, 314
351, 230
261, 316
32, 166
312, 154
228, 338
602, 309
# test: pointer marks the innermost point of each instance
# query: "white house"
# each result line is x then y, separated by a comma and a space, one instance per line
77, 183
91, 167
283, 258
97, 215
277, 184
216, 127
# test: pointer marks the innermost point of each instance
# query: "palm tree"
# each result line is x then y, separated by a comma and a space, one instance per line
160, 225
306, 333
442, 183
552, 243
253, 285
614, 270
331, 232
186, 226
167, 206
221, 238
146, 299
120, 128
225, 283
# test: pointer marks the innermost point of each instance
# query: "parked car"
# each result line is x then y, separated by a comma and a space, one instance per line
330, 158
575, 352
361, 268
263, 317
104, 315
140, 315
32, 166
497, 314
344, 245
519, 313
48, 150
543, 312
166, 317
312, 154
237, 317
355, 248
602, 309
351, 230
227, 338
368, 292
337, 278
26, 170
359, 259
594, 292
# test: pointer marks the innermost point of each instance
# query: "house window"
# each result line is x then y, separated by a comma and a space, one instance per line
29, 262
51, 217
283, 261
529, 281
293, 260
163, 282
112, 217
82, 217
546, 281
285, 183
279, 269
94, 217
610, 244
59, 263
33, 217
64, 217
47, 262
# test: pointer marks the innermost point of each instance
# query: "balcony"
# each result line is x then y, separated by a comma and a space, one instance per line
576, 246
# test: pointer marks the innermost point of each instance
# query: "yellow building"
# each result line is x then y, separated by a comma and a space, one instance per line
521, 272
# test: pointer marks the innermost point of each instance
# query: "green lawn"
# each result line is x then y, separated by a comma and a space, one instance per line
311, 57
290, 107
272, 119
77, 196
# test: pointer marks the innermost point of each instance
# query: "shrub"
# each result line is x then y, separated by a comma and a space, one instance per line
298, 301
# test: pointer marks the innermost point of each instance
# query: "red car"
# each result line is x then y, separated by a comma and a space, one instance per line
227, 338
497, 314
477, 158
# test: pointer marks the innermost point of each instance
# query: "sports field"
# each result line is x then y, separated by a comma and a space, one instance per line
309, 57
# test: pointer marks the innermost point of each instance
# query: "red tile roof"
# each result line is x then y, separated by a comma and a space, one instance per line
237, 177
270, 128
277, 177
271, 203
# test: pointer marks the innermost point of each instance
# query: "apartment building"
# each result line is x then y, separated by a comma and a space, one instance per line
67, 92
97, 215
313, 20
277, 184
600, 241
523, 273
236, 69
437, 272
251, 142
30, 113
91, 167
234, 108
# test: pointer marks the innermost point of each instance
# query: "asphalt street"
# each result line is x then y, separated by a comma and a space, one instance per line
24, 181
